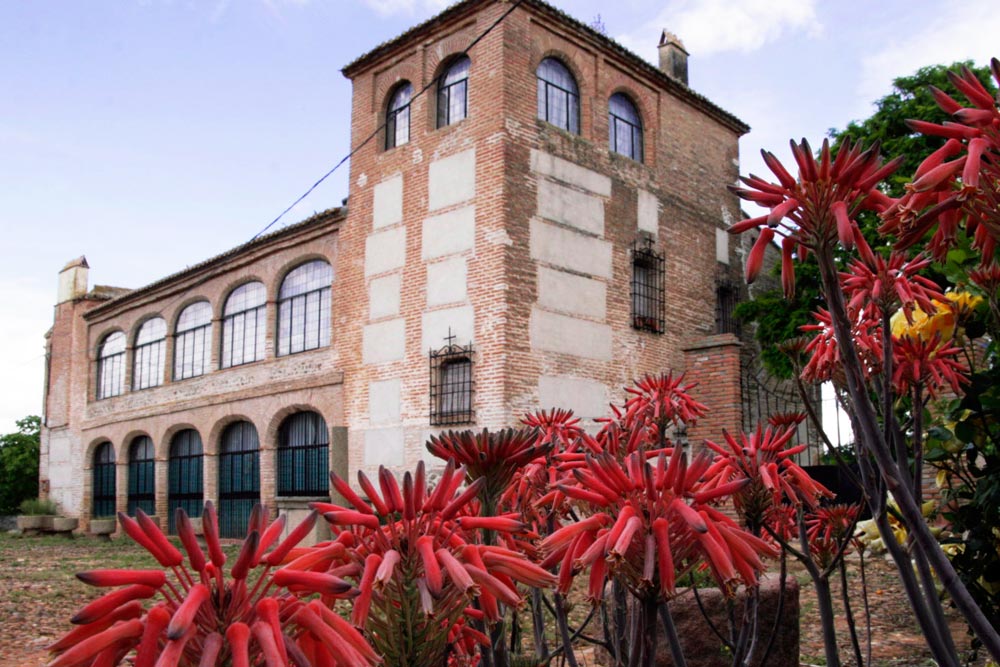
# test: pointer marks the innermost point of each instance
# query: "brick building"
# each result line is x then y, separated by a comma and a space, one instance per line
541, 226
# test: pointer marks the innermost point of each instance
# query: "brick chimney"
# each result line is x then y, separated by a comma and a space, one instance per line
73, 280
673, 57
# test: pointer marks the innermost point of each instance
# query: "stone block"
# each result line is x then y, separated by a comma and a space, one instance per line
571, 293
383, 342
449, 233
385, 251
387, 204
383, 296
447, 281
452, 180
551, 332
570, 250
571, 207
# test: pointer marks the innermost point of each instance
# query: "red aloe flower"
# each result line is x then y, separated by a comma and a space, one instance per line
824, 362
662, 399
767, 462
421, 561
253, 607
651, 519
943, 194
880, 288
494, 457
929, 363
844, 185
826, 529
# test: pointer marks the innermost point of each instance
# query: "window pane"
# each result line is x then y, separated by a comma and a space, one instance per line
397, 117
304, 308
558, 96
111, 365
149, 354
303, 456
244, 325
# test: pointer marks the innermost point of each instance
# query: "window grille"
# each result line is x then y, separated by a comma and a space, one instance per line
141, 476
244, 325
239, 478
451, 383
647, 287
185, 485
104, 500
624, 127
303, 456
192, 341
149, 354
304, 308
727, 297
111, 365
558, 96
453, 93
397, 117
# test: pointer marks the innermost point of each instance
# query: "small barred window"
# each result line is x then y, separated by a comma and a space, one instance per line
647, 287
452, 386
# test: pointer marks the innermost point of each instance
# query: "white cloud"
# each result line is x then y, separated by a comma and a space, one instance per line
969, 34
716, 26
407, 7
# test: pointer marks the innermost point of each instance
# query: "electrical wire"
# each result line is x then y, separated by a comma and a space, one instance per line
381, 127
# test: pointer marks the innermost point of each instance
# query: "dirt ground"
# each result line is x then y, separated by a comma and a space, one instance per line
38, 595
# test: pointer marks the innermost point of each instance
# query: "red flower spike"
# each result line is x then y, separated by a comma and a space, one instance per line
149, 645
210, 526
344, 489
90, 647
190, 541
108, 602
106, 578
169, 552
238, 640
268, 647
755, 260
76, 635
297, 535
182, 619
210, 650
244, 561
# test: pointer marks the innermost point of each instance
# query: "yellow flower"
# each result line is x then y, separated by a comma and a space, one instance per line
924, 326
963, 303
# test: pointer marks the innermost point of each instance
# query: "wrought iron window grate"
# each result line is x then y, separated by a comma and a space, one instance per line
185, 478
727, 297
141, 476
303, 456
452, 386
648, 277
104, 499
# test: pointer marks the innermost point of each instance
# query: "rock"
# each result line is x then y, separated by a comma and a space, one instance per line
703, 649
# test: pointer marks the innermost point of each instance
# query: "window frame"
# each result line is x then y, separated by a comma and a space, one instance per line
115, 362
148, 357
103, 478
635, 129
196, 338
141, 476
445, 97
322, 296
393, 114
229, 320
452, 400
648, 287
571, 100
303, 468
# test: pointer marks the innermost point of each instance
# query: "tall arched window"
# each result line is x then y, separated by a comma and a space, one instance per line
104, 481
141, 476
193, 340
239, 478
624, 127
303, 456
453, 92
304, 308
244, 325
558, 96
185, 483
397, 116
149, 354
111, 365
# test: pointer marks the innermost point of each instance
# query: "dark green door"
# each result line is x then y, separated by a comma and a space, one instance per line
239, 478
186, 487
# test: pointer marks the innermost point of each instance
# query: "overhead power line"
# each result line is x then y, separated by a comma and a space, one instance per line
381, 127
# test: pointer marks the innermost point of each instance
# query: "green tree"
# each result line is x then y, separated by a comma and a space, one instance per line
19, 464
777, 318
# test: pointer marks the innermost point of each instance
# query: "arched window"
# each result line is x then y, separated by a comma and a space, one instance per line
624, 127
303, 456
141, 476
149, 354
453, 92
104, 481
397, 116
185, 484
304, 308
111, 365
193, 340
244, 325
558, 96
239, 478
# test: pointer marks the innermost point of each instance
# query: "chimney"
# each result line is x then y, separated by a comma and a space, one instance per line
73, 280
673, 57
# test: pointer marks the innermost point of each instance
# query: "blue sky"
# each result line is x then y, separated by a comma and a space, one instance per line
152, 134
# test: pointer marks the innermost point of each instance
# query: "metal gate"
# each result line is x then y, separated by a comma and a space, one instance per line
765, 396
185, 488
239, 478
